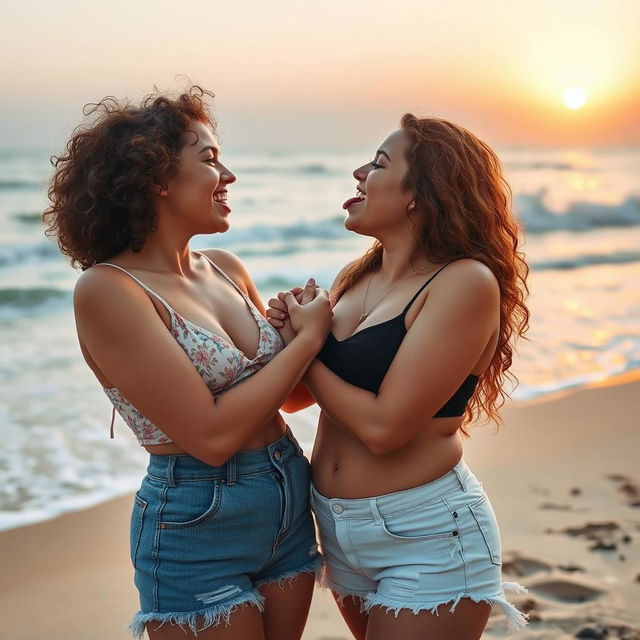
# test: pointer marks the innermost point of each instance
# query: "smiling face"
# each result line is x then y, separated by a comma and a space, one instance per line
198, 192
381, 202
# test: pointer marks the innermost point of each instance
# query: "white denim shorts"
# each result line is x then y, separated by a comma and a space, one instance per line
416, 549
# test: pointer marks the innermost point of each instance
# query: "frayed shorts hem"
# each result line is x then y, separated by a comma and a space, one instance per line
314, 567
516, 620
339, 592
196, 620
211, 616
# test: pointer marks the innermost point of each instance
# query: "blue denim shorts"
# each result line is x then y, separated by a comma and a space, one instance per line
416, 549
203, 539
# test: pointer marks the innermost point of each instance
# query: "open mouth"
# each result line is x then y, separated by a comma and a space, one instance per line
221, 197
360, 196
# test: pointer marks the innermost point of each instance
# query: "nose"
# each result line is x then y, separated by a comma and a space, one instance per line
360, 173
226, 175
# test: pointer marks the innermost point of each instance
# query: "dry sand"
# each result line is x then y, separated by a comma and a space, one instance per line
564, 479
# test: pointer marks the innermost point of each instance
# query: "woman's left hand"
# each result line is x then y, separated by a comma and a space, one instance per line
277, 312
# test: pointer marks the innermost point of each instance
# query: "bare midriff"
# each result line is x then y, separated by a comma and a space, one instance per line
342, 467
272, 431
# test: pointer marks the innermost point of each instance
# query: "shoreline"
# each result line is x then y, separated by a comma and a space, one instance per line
558, 464
81, 503
626, 377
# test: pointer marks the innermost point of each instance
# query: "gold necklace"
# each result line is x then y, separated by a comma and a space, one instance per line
365, 314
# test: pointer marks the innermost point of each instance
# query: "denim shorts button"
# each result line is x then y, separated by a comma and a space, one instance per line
277, 455
337, 508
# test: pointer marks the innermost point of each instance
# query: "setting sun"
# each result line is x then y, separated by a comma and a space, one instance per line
574, 97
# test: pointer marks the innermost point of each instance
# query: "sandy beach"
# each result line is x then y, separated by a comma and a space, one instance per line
564, 480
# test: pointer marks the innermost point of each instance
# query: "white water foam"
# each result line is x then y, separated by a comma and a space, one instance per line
583, 244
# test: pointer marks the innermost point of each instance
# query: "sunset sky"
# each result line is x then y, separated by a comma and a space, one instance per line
332, 73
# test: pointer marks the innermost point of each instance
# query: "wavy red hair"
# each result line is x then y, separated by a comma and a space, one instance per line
466, 212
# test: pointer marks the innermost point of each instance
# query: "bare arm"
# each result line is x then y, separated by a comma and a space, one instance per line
127, 339
444, 342
300, 397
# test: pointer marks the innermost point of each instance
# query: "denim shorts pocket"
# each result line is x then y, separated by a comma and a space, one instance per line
191, 503
135, 531
482, 512
417, 524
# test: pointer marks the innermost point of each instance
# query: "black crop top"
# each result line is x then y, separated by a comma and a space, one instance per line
364, 358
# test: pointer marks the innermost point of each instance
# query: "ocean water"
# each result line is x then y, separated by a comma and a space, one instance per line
580, 208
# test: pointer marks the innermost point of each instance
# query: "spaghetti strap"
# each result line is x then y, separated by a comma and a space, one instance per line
223, 274
142, 284
421, 289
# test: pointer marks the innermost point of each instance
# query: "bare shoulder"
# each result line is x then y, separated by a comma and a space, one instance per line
100, 287
96, 282
231, 265
465, 284
224, 259
469, 275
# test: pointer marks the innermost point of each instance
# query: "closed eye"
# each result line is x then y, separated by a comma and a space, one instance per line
380, 153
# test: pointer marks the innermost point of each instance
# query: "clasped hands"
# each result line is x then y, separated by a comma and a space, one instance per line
301, 309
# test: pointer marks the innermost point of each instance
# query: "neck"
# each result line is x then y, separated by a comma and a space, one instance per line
166, 250
403, 257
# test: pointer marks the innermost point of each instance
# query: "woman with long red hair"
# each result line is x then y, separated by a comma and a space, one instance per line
421, 344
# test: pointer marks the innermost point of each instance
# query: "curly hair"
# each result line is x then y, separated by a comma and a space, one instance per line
466, 212
102, 188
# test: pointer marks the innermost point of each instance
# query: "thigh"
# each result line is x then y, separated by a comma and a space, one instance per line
286, 607
467, 622
351, 609
244, 624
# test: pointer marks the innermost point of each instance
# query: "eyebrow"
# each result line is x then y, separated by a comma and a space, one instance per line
382, 152
209, 147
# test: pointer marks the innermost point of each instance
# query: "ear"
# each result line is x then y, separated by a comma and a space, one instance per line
160, 190
412, 205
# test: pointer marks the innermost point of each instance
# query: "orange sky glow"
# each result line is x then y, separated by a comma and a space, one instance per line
333, 73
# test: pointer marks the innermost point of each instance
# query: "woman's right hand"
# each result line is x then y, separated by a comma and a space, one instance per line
312, 317
278, 315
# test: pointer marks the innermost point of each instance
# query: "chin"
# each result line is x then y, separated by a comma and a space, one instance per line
350, 224
356, 227
219, 226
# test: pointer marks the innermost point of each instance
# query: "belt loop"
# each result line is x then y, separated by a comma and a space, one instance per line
171, 463
377, 518
231, 471
292, 439
461, 479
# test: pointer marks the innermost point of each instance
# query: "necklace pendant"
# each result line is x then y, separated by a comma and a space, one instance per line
363, 317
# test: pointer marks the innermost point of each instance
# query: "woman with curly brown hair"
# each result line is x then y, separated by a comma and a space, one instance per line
420, 345
222, 539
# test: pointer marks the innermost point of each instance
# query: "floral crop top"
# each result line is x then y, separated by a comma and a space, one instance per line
221, 364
